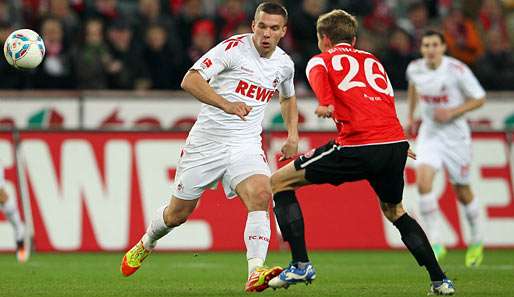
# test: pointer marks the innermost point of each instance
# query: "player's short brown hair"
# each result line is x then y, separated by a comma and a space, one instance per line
338, 26
271, 8
431, 32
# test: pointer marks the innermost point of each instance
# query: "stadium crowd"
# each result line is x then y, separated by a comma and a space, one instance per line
150, 44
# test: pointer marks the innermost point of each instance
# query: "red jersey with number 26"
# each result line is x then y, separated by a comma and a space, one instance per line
356, 84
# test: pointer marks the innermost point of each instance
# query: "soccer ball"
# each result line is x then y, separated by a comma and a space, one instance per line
24, 49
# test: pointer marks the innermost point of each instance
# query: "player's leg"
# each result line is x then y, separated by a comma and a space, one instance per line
315, 167
10, 209
289, 217
475, 252
202, 163
388, 184
284, 183
418, 245
430, 159
457, 160
174, 214
429, 208
255, 193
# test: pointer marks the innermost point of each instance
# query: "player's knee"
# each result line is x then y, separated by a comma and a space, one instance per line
424, 187
464, 195
260, 199
392, 211
3, 196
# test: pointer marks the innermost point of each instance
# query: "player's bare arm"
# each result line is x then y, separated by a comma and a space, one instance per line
194, 84
412, 99
289, 111
444, 115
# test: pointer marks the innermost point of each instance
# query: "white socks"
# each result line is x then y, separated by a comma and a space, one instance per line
10, 209
156, 230
429, 209
472, 211
257, 235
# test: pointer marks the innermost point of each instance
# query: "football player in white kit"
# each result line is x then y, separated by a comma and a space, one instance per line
234, 80
9, 208
446, 89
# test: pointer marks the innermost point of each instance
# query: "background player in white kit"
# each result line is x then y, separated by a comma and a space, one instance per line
9, 208
244, 72
446, 89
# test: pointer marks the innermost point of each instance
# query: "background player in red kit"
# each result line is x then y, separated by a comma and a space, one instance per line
353, 88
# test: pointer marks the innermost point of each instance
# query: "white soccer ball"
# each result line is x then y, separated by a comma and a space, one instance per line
24, 49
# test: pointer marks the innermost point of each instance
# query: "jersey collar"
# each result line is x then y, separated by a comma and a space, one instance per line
343, 44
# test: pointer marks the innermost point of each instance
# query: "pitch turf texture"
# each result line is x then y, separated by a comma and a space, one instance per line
354, 273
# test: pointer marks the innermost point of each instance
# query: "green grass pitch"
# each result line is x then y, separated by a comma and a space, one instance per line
348, 273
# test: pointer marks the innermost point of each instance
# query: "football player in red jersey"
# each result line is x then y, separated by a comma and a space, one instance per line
352, 88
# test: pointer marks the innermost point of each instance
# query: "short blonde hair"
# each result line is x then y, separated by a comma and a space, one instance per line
338, 26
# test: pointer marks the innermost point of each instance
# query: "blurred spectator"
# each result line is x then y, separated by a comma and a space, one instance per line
242, 29
191, 11
92, 57
230, 15
11, 77
10, 12
204, 37
150, 12
106, 10
164, 61
56, 71
462, 37
303, 30
365, 42
126, 70
495, 69
355, 7
416, 23
378, 24
397, 57
491, 19
61, 10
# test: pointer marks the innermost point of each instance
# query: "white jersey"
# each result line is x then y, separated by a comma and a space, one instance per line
237, 72
2, 178
445, 87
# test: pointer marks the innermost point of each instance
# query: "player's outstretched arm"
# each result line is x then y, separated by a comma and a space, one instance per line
196, 85
444, 115
289, 111
412, 99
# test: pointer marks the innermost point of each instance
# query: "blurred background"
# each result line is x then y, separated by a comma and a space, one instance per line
150, 44
91, 138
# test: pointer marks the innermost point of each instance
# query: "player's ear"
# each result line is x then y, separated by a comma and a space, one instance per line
253, 26
284, 31
327, 43
354, 41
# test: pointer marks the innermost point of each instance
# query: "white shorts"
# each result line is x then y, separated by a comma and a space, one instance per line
204, 162
455, 156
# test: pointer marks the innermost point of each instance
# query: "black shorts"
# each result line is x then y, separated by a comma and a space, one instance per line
381, 165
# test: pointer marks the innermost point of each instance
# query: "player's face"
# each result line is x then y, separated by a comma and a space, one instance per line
432, 49
268, 29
